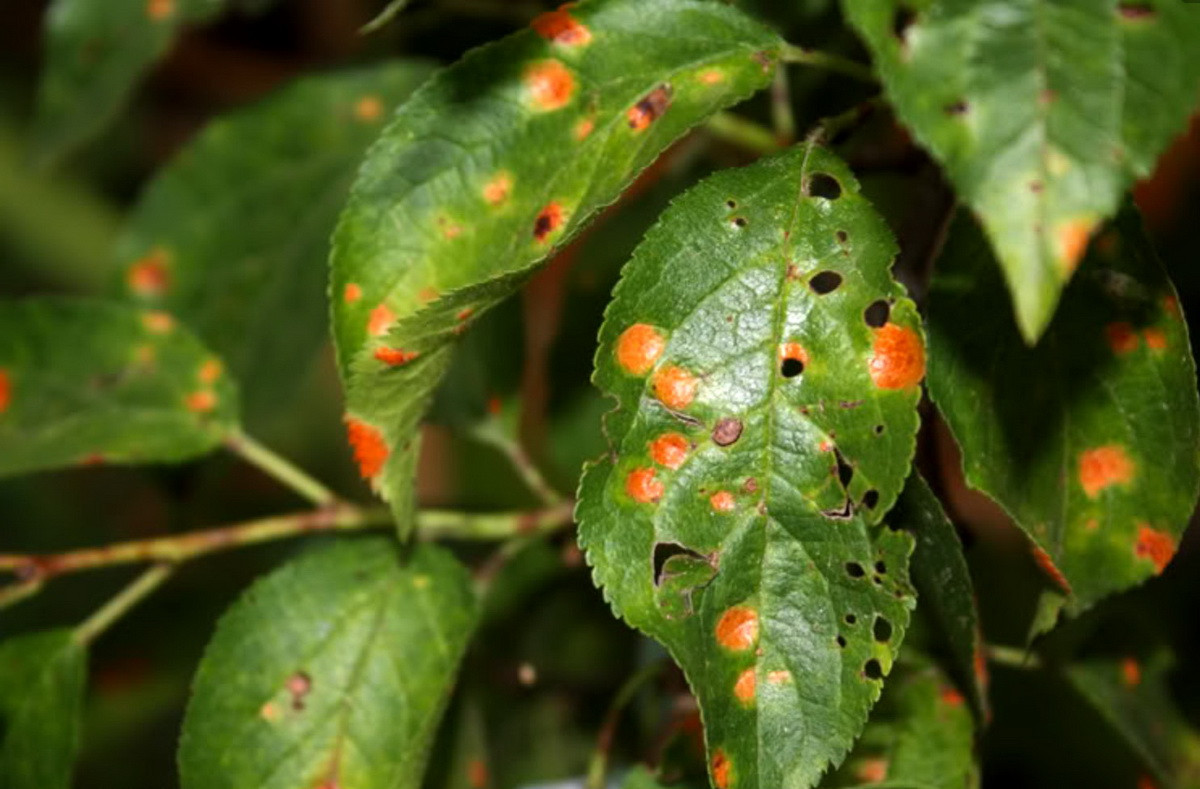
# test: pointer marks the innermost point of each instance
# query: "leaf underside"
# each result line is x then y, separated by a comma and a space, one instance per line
489, 167
332, 671
1042, 113
85, 382
737, 521
1089, 439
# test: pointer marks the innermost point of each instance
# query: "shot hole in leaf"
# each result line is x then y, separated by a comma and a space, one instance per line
790, 367
877, 314
664, 551
855, 570
732, 204
824, 185
881, 567
841, 642
825, 282
851, 619
870, 499
882, 630
842, 236
739, 221
872, 669
845, 471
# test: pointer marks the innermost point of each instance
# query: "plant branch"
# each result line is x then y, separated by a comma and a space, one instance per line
781, 109
742, 132
828, 61
280, 468
1012, 657
122, 602
598, 765
493, 435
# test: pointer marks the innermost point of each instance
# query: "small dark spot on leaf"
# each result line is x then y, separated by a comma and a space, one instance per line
870, 499
650, 108
855, 570
881, 567
825, 282
879, 430
299, 685
877, 313
751, 485
1131, 9
851, 619
956, 108
872, 669
847, 404
841, 641
882, 630
878, 581
726, 431
842, 236
824, 185
790, 367
763, 58
739, 221
731, 203
1035, 186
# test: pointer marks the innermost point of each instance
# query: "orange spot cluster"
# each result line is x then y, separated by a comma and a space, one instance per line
793, 350
380, 320
549, 84
639, 347
722, 501
368, 109
643, 486
721, 769
561, 28
158, 322
1131, 672
897, 357
649, 109
744, 687
1073, 242
158, 10
669, 450
210, 371
675, 387
1121, 337
1103, 467
370, 449
1154, 545
872, 771
201, 402
497, 190
5, 391
737, 629
148, 277
394, 357
1051, 569
352, 293
548, 220
1156, 339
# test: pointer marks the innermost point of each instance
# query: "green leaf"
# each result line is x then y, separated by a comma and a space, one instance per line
95, 52
1042, 113
723, 452
42, 680
1135, 699
332, 671
1089, 439
921, 736
640, 778
86, 381
489, 167
943, 582
232, 236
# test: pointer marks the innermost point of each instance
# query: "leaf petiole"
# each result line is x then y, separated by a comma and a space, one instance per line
122, 602
828, 61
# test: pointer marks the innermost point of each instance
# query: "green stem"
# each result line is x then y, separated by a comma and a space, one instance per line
442, 524
493, 435
280, 468
745, 133
1013, 657
781, 109
120, 604
598, 765
828, 61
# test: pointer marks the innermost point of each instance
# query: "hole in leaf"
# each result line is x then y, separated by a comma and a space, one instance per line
732, 204
902, 20
878, 430
870, 499
881, 567
851, 619
872, 669
842, 236
841, 641
845, 471
825, 282
882, 630
877, 314
664, 551
855, 570
824, 185
790, 367
740, 221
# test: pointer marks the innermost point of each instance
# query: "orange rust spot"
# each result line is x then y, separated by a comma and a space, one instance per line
549, 84
201, 402
210, 371
1146, 782
721, 769
1156, 339
380, 320
824, 446
158, 322
92, 459
639, 347
675, 387
495, 405
477, 774
1131, 672
1171, 305
548, 220
450, 230
649, 109
496, 191
793, 350
951, 697
270, 712
722, 501
561, 28
158, 10
5, 391
670, 450
711, 77
1050, 568
464, 313
368, 109
1154, 545
1073, 242
1103, 467
352, 293
1091, 524
737, 628
145, 355
779, 677
642, 486
584, 128
872, 771
395, 356
426, 295
744, 687
148, 277
1121, 337
370, 450
897, 357
979, 661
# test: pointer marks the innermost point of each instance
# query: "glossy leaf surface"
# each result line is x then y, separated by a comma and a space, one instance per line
1089, 439
766, 368
332, 671
491, 165
89, 382
233, 236
42, 679
1041, 112
95, 52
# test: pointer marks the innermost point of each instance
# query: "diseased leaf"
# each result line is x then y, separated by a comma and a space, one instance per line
491, 165
1135, 699
1089, 439
1042, 113
943, 582
42, 680
87, 382
921, 736
332, 671
233, 235
767, 371
95, 52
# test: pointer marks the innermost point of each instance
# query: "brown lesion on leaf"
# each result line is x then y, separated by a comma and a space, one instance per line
643, 486
561, 28
1136, 10
1121, 337
549, 85
368, 109
548, 220
1103, 467
1157, 546
649, 108
298, 686
149, 277
727, 431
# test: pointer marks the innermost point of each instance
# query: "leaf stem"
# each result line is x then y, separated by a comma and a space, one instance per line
280, 468
1012, 657
781, 109
828, 61
493, 435
598, 765
122, 602
742, 132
